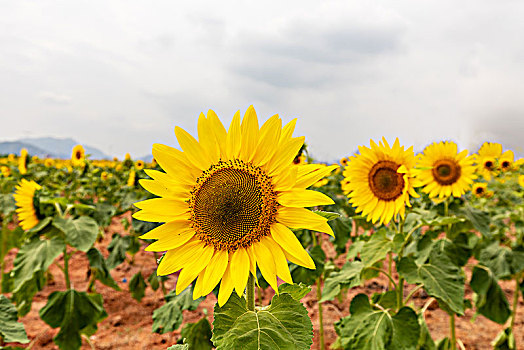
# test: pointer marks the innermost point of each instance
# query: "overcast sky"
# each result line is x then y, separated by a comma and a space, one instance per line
119, 75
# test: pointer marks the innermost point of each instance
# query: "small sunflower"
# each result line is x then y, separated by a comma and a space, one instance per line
131, 180
228, 201
24, 198
139, 164
6, 171
487, 159
104, 175
78, 155
127, 156
11, 158
48, 162
443, 171
479, 189
380, 180
344, 161
22, 161
506, 160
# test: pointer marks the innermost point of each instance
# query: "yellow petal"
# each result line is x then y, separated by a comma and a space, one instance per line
215, 270
240, 264
303, 218
174, 240
308, 179
291, 245
303, 198
192, 149
192, 270
285, 155
234, 137
249, 134
206, 138
268, 142
266, 263
218, 130
282, 269
163, 205
226, 287
179, 257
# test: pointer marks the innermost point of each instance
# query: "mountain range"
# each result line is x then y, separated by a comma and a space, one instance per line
48, 147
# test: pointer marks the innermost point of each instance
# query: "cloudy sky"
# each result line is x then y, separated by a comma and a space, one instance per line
119, 75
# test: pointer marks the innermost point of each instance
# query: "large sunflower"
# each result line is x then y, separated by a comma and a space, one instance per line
228, 201
24, 198
78, 155
488, 155
379, 180
443, 171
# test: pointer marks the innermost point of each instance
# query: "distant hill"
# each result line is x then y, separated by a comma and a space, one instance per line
48, 147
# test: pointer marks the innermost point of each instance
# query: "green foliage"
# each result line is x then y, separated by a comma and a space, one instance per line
137, 286
377, 248
373, 328
303, 275
348, 276
100, 269
11, 331
490, 299
197, 335
297, 291
80, 233
76, 313
502, 261
505, 340
30, 265
117, 250
168, 317
283, 325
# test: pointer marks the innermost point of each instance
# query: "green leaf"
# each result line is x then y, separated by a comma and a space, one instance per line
327, 214
479, 219
197, 335
30, 265
80, 233
369, 328
40, 226
153, 280
505, 340
297, 291
376, 249
342, 229
11, 331
502, 261
137, 286
168, 317
100, 269
75, 313
425, 342
408, 269
443, 280
283, 325
348, 276
354, 249
490, 301
303, 275
179, 347
117, 250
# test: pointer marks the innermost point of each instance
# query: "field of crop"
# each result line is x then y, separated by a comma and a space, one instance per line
395, 251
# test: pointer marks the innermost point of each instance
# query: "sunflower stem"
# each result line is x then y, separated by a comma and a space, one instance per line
515, 304
390, 268
250, 293
66, 269
400, 285
320, 315
452, 330
3, 240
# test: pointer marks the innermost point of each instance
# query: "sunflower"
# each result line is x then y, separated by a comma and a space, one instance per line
6, 171
78, 155
443, 171
479, 189
105, 175
24, 198
11, 158
487, 159
48, 162
344, 161
506, 160
139, 164
131, 180
22, 161
380, 180
228, 201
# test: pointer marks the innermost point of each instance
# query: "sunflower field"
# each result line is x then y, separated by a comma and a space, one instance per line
239, 239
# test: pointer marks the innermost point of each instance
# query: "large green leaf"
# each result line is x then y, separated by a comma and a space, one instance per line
348, 276
168, 317
11, 331
376, 248
283, 325
297, 291
443, 280
117, 250
100, 269
30, 265
479, 219
408, 269
197, 335
75, 313
372, 329
490, 301
502, 261
80, 233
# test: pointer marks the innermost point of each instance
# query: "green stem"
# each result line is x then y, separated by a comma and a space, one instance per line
385, 273
413, 291
400, 289
66, 269
515, 304
452, 330
3, 253
59, 209
390, 268
320, 315
250, 293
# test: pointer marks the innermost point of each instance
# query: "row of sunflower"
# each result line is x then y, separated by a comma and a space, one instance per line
228, 213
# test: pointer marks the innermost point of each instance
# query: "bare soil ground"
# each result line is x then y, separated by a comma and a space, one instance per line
129, 323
